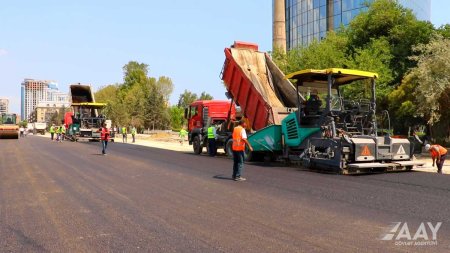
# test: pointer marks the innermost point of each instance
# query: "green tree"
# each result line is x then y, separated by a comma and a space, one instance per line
186, 98
431, 79
205, 96
23, 123
328, 53
107, 94
375, 57
176, 117
444, 30
134, 72
165, 87
398, 25
140, 101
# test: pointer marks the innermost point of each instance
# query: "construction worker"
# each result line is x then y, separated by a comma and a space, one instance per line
63, 132
124, 134
133, 133
212, 136
21, 130
104, 136
238, 147
438, 154
58, 133
52, 132
182, 135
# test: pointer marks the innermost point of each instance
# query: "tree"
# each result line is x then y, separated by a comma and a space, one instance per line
176, 117
186, 98
444, 30
165, 87
107, 94
134, 72
430, 81
140, 101
375, 57
328, 53
398, 25
205, 96
23, 123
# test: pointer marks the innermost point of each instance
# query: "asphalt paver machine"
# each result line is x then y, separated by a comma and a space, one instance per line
331, 133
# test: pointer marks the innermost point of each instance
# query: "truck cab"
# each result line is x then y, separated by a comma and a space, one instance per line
201, 114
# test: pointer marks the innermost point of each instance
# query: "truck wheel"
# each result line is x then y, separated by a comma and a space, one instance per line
198, 149
228, 148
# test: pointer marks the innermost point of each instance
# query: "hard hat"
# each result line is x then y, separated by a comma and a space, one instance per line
427, 147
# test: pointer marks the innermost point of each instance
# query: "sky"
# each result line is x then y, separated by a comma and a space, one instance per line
89, 41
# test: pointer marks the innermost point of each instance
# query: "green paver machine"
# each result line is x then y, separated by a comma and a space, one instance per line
331, 133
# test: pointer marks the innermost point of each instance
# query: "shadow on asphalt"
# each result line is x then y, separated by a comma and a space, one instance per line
222, 177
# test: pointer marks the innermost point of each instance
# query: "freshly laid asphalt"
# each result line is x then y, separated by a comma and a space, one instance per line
66, 197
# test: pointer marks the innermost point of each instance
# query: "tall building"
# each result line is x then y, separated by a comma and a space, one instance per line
4, 105
311, 19
34, 92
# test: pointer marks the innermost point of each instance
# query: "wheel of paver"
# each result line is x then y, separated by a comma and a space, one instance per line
198, 149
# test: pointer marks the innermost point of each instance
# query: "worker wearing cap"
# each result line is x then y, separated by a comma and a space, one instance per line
438, 154
238, 147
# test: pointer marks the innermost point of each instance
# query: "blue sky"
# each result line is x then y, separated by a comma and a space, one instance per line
90, 41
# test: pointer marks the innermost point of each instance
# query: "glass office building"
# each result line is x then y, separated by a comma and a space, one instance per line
311, 19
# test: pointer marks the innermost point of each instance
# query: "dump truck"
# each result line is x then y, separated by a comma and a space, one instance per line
311, 123
201, 114
38, 127
8, 126
85, 118
257, 85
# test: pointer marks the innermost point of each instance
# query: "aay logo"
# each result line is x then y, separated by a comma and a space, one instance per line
425, 235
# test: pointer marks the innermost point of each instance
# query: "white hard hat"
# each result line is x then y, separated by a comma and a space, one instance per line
427, 147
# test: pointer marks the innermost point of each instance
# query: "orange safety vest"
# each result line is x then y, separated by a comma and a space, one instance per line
434, 153
104, 135
238, 143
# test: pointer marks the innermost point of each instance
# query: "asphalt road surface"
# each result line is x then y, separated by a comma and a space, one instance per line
66, 197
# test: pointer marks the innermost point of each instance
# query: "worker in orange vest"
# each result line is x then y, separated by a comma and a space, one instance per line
438, 154
104, 136
238, 147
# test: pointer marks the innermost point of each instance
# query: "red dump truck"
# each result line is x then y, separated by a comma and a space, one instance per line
201, 114
257, 85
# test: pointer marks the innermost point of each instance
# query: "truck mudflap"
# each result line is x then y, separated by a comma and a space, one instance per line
358, 168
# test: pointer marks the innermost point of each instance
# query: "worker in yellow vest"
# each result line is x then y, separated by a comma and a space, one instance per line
63, 132
52, 132
212, 136
58, 133
238, 147
133, 134
438, 154
124, 134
